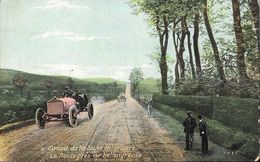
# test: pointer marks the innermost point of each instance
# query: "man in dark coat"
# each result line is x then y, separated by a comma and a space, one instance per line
204, 134
189, 124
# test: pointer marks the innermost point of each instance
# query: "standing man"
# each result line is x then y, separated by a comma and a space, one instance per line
189, 124
204, 134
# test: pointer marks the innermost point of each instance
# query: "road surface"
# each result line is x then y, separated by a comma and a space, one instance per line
117, 132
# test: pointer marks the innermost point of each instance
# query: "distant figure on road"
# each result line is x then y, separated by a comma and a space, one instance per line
149, 106
204, 134
189, 124
149, 103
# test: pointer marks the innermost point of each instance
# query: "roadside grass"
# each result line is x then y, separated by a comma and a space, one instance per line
175, 128
16, 125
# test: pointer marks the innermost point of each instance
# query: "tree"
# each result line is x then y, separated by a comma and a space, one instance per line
20, 81
176, 44
241, 65
163, 37
218, 61
28, 92
115, 85
254, 60
159, 19
48, 84
190, 53
254, 7
182, 48
135, 77
182, 13
196, 45
70, 82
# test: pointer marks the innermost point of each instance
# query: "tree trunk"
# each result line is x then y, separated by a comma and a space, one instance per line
182, 48
175, 43
196, 45
255, 14
163, 39
241, 66
21, 91
29, 94
164, 76
177, 74
190, 53
218, 61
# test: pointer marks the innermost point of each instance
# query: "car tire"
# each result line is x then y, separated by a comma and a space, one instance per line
40, 121
73, 120
90, 111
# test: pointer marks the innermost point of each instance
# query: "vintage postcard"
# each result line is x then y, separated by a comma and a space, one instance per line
129, 80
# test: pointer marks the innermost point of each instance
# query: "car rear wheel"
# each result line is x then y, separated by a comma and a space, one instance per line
73, 120
40, 121
90, 111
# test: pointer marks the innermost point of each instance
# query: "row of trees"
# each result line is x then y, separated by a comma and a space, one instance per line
229, 51
21, 82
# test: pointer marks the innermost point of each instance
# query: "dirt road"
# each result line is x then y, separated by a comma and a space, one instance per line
117, 132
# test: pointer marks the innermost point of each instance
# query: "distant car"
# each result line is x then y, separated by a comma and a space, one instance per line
121, 98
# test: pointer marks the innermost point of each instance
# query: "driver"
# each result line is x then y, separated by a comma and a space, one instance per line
68, 92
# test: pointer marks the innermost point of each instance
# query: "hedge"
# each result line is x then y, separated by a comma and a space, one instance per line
238, 113
231, 138
19, 110
200, 104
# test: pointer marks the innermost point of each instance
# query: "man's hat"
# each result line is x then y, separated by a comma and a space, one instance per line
188, 112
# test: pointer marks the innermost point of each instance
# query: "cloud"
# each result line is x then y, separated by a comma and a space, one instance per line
60, 4
66, 35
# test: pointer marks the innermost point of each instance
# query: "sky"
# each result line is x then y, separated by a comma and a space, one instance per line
77, 38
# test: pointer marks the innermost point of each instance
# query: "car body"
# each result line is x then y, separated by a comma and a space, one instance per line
65, 108
121, 98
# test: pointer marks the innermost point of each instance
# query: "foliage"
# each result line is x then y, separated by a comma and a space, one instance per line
148, 86
48, 83
214, 87
135, 78
20, 81
221, 19
19, 109
70, 82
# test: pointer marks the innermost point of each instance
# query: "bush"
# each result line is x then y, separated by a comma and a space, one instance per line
213, 87
250, 147
19, 109
9, 116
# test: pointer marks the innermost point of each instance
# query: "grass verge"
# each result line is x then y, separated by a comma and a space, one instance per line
234, 140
